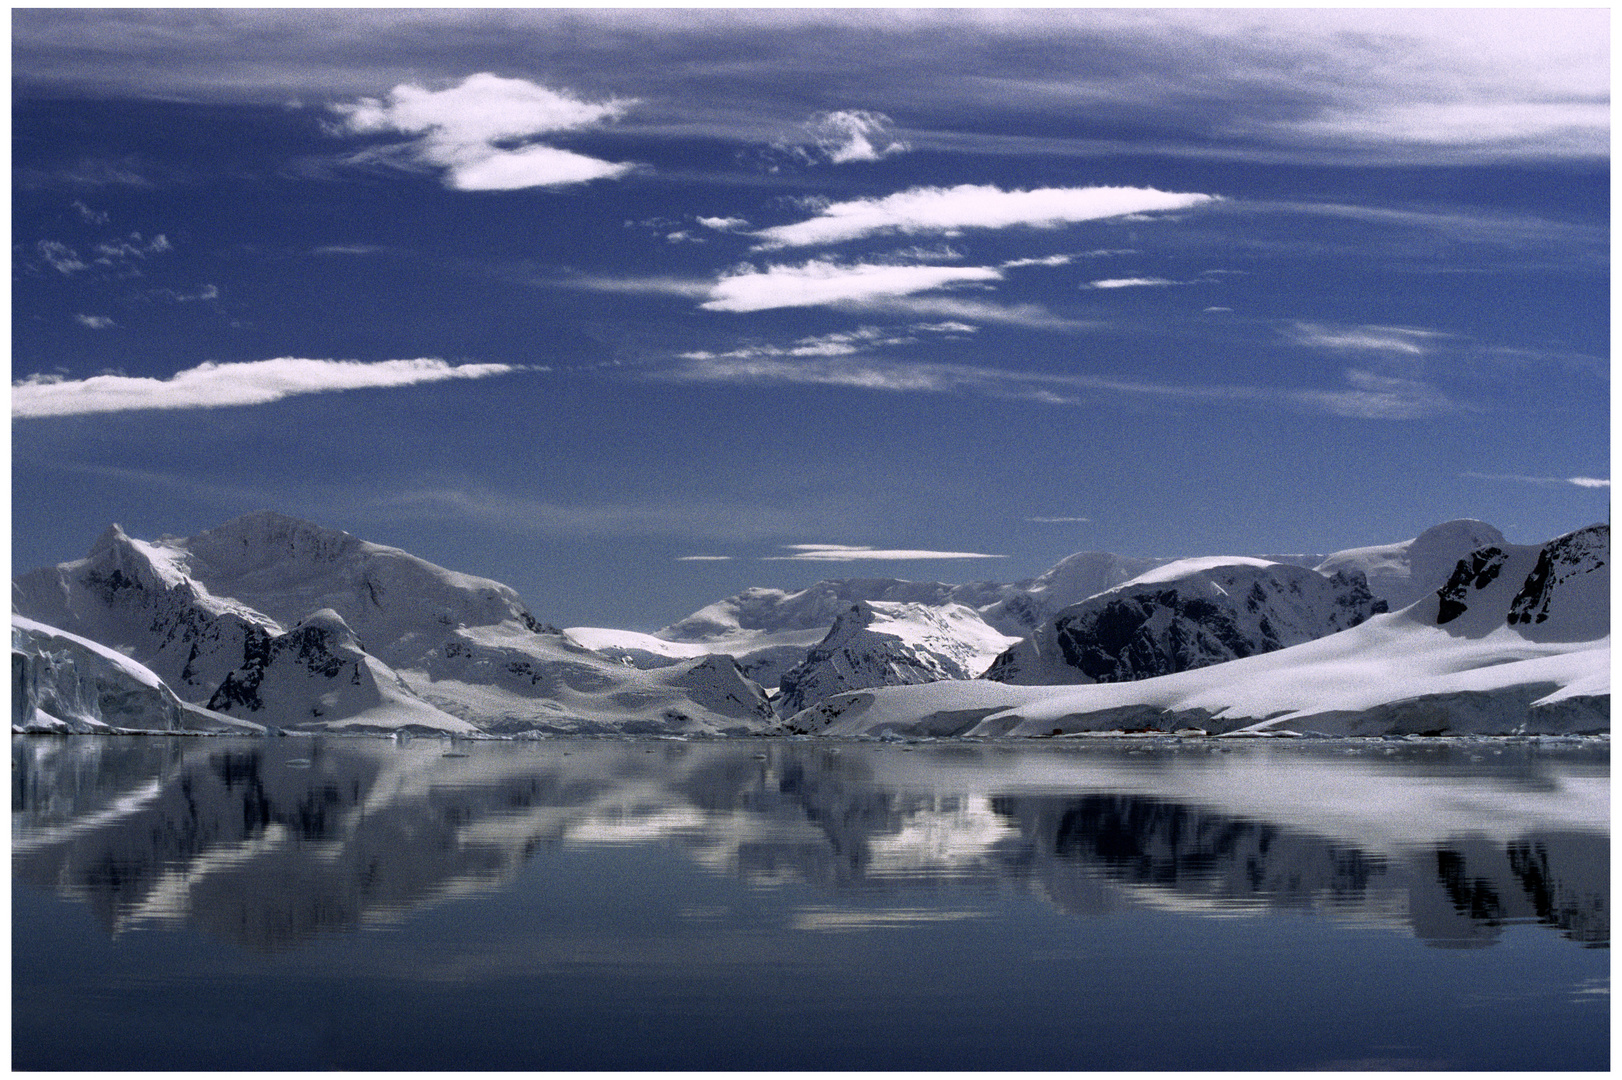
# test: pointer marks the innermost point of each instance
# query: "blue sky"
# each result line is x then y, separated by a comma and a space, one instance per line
634, 309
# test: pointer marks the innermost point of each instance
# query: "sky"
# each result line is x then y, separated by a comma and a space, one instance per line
634, 309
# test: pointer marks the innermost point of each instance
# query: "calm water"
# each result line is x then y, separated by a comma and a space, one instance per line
781, 904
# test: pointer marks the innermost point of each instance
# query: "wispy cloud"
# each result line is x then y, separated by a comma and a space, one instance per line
821, 282
696, 517
1578, 481
1380, 397
853, 553
213, 385
1131, 282
95, 322
839, 343
1402, 340
703, 558
948, 211
1058, 520
1367, 396
465, 130
639, 286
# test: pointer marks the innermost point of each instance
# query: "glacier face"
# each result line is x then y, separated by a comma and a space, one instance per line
61, 682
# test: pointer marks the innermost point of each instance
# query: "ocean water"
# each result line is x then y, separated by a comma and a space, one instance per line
561, 904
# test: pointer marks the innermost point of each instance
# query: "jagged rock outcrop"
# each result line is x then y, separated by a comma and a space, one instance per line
1186, 615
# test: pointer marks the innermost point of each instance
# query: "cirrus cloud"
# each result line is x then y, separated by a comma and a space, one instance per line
464, 130
948, 211
212, 385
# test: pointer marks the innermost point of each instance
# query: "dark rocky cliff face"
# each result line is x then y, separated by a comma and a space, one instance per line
1211, 617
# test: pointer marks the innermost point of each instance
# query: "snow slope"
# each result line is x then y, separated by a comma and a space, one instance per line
1186, 614
1517, 640
201, 610
874, 643
61, 682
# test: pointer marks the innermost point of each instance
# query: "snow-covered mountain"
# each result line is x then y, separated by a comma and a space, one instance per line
876, 643
1474, 656
1027, 604
1186, 614
768, 631
317, 672
224, 608
1401, 573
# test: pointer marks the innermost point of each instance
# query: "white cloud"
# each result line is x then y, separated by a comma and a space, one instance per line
854, 135
213, 385
822, 282
852, 553
1050, 260
60, 257
1131, 282
981, 206
463, 130
703, 558
112, 252
1579, 481
94, 217
1058, 520
95, 322
723, 224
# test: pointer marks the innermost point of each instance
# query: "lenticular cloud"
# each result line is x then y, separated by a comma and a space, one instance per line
210, 385
971, 206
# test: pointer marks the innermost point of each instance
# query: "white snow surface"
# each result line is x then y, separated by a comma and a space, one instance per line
1420, 670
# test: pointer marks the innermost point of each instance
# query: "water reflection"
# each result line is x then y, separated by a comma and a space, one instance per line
270, 842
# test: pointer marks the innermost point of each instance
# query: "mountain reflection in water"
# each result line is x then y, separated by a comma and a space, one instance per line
270, 842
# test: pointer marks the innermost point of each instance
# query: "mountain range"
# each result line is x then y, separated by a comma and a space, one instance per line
269, 623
